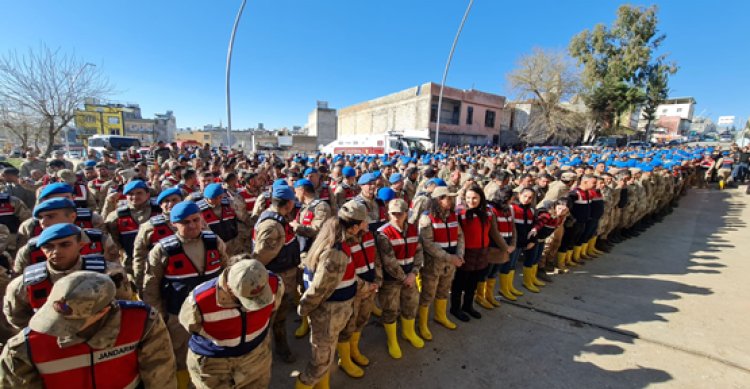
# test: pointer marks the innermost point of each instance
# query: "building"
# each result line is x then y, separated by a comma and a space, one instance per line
702, 125
673, 116
321, 123
467, 116
112, 118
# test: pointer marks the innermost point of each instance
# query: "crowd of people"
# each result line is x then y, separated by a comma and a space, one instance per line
181, 269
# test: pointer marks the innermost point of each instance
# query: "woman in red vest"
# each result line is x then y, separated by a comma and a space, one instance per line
479, 227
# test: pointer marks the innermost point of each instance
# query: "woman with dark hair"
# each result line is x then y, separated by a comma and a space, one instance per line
500, 206
330, 279
479, 227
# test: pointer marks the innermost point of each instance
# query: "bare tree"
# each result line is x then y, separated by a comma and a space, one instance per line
19, 122
51, 84
546, 78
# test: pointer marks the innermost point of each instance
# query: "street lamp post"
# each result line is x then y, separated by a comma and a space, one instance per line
229, 66
445, 75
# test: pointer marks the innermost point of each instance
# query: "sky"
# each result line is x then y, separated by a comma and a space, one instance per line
171, 54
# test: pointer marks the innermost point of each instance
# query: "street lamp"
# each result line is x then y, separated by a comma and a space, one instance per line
445, 75
229, 66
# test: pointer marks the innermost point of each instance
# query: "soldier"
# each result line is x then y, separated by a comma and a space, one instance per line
176, 265
228, 319
347, 188
13, 186
501, 208
96, 185
397, 184
421, 202
61, 245
83, 322
12, 212
32, 163
411, 182
331, 289
310, 219
322, 190
150, 233
443, 245
220, 213
81, 194
123, 224
58, 211
401, 255
249, 193
277, 248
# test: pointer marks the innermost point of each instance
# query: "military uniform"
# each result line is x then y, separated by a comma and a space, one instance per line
166, 285
149, 233
50, 354
28, 166
123, 226
12, 213
222, 219
97, 243
85, 219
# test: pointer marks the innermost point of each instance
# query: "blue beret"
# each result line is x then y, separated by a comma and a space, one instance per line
283, 193
279, 182
52, 204
323, 161
182, 210
387, 163
56, 188
309, 171
377, 174
169, 192
213, 190
133, 185
302, 182
58, 231
367, 178
336, 158
89, 163
386, 194
348, 171
437, 181
395, 178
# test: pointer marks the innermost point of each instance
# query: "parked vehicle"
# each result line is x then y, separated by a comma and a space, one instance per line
610, 141
118, 143
389, 143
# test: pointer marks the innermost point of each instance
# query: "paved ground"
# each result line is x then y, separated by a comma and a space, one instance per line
666, 309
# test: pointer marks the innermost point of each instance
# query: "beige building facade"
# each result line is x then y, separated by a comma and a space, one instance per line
467, 116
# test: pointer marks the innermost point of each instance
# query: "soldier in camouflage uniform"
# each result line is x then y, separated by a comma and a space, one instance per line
401, 255
330, 291
82, 314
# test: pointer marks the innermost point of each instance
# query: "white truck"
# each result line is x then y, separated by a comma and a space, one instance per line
377, 144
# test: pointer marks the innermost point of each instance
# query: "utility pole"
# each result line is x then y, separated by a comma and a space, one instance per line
228, 71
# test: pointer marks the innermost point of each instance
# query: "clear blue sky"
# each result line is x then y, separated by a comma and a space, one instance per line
170, 54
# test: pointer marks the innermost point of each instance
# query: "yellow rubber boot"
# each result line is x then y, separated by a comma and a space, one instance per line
441, 317
489, 292
183, 379
504, 289
299, 385
569, 259
424, 315
357, 356
561, 262
592, 247
528, 280
419, 282
721, 184
303, 329
479, 296
325, 381
511, 288
393, 348
584, 251
376, 311
407, 331
345, 361
577, 254
535, 280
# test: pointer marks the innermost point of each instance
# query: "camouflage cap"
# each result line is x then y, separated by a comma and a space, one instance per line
67, 175
569, 176
353, 210
397, 205
74, 298
441, 191
248, 281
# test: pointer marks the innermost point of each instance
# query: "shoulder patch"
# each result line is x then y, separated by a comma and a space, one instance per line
158, 220
36, 273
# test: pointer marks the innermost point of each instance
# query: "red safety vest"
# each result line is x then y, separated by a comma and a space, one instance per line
476, 234
94, 247
161, 229
80, 366
80, 194
325, 193
347, 287
38, 284
224, 226
97, 184
504, 221
404, 245
232, 331
363, 257
128, 226
445, 233
248, 198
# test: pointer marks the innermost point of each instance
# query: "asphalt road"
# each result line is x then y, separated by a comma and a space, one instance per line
666, 309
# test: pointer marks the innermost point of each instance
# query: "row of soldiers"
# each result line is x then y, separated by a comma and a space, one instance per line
216, 253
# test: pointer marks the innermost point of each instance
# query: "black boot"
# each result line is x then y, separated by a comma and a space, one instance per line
456, 307
281, 344
542, 275
468, 305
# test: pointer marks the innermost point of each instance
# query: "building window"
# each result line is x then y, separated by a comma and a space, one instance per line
470, 115
113, 120
90, 119
206, 137
679, 109
489, 118
449, 114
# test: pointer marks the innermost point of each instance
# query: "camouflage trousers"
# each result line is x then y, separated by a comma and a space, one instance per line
437, 279
289, 277
551, 246
364, 301
396, 298
180, 337
249, 371
326, 322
